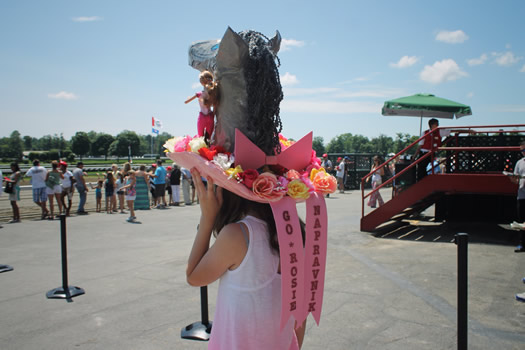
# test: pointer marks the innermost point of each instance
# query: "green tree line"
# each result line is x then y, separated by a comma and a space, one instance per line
348, 143
103, 145
83, 144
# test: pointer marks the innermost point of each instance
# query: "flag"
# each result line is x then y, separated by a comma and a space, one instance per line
156, 125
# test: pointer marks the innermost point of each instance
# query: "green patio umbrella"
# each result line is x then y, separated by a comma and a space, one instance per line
425, 105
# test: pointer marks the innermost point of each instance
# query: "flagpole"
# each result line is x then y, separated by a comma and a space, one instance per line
151, 134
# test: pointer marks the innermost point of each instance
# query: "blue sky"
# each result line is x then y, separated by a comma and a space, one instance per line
68, 66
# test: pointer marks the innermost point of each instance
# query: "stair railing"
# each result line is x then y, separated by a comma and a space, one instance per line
463, 129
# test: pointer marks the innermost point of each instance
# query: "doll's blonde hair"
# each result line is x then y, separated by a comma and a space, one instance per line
205, 77
211, 87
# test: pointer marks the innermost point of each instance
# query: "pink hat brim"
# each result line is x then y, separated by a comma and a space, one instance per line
207, 169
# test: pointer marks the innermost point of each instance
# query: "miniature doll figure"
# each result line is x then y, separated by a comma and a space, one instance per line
207, 101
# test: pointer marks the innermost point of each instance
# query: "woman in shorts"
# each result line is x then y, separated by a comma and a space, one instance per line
109, 186
120, 192
53, 178
15, 195
131, 194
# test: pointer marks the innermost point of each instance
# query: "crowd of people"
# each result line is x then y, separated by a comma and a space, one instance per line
116, 190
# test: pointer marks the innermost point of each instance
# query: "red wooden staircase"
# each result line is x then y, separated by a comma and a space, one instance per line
424, 193
431, 187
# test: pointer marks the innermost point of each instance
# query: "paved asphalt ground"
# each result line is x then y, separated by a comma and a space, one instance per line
392, 290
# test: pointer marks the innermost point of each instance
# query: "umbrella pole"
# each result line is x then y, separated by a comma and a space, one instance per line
421, 125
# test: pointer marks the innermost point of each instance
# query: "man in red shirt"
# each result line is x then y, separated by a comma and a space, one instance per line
431, 141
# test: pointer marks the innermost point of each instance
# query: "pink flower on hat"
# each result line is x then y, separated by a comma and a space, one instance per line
267, 186
308, 183
315, 161
180, 144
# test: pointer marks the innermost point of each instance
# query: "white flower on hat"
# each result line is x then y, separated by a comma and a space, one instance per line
223, 160
196, 144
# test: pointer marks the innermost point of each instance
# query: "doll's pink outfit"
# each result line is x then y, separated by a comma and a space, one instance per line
249, 299
206, 120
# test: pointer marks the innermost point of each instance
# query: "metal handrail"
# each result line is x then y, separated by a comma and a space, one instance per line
457, 130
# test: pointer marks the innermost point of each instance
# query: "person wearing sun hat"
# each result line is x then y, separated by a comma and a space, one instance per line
268, 282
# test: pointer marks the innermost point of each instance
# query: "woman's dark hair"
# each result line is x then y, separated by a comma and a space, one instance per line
235, 208
15, 166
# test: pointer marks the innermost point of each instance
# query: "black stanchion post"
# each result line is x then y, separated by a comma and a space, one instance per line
199, 330
204, 305
5, 268
63, 249
66, 291
461, 239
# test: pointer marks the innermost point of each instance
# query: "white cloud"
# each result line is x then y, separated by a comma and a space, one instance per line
329, 107
441, 71
511, 108
470, 95
86, 19
522, 69
369, 77
372, 93
309, 91
287, 44
405, 61
505, 59
63, 95
288, 79
195, 86
380, 92
455, 37
477, 61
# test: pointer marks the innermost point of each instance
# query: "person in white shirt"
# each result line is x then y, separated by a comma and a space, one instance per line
38, 181
67, 187
340, 174
519, 179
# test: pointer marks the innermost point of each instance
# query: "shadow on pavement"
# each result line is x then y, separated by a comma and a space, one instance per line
424, 229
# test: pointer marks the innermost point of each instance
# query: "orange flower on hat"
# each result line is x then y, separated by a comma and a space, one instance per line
323, 182
267, 186
292, 174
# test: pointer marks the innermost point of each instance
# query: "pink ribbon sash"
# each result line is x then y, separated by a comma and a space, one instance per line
292, 260
302, 269
315, 255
